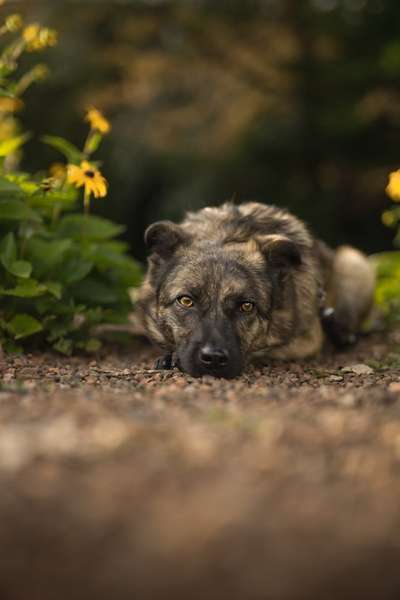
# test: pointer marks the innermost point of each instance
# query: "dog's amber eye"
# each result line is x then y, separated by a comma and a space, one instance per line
246, 307
185, 301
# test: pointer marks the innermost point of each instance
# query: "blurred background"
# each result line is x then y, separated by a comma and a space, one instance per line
289, 102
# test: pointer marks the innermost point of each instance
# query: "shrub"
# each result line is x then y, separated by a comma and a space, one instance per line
62, 270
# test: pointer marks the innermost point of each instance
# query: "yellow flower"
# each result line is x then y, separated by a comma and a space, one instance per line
393, 187
8, 128
97, 120
87, 176
37, 38
9, 105
31, 32
13, 23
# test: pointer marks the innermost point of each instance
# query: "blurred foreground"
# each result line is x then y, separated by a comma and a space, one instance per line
121, 482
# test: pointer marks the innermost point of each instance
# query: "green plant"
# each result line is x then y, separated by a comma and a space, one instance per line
387, 293
62, 273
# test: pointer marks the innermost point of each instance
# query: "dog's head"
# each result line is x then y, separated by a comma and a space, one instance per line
214, 301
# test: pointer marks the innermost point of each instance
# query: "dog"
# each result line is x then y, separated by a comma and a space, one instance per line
240, 284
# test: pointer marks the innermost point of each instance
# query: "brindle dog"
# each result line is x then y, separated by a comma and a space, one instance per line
238, 284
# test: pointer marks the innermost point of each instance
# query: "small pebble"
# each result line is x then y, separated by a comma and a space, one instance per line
359, 369
335, 378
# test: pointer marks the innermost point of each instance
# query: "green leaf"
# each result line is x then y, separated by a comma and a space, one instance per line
64, 346
11, 145
10, 347
28, 288
58, 329
8, 254
23, 325
94, 315
54, 288
47, 255
20, 268
95, 292
92, 345
387, 264
65, 197
88, 227
121, 268
387, 293
117, 246
8, 250
17, 210
71, 152
9, 189
75, 269
7, 94
23, 182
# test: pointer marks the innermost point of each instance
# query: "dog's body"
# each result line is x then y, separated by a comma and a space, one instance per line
238, 284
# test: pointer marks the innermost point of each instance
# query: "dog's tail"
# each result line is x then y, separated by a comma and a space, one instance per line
352, 286
348, 280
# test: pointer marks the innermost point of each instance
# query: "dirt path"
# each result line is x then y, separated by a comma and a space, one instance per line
118, 481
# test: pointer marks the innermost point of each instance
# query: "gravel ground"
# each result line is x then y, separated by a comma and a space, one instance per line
120, 481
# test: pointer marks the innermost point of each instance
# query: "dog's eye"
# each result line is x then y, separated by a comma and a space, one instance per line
185, 301
246, 307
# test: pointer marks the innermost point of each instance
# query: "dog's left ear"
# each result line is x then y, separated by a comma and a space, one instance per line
164, 237
280, 252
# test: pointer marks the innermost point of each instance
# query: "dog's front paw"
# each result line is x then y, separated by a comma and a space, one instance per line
166, 362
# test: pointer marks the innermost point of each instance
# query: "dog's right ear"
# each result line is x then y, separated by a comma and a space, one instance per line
164, 237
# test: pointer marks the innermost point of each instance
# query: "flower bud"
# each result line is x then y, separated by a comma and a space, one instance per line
13, 23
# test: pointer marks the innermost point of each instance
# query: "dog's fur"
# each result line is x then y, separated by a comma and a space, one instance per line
222, 257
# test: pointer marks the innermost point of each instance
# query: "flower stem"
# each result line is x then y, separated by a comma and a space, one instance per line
87, 144
86, 202
93, 141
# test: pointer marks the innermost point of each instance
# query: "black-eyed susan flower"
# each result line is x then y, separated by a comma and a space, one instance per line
97, 121
393, 187
88, 177
37, 38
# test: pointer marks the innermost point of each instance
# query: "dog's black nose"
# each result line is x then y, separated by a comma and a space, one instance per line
213, 357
